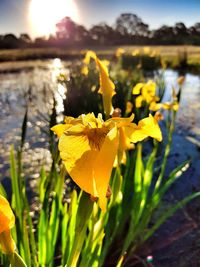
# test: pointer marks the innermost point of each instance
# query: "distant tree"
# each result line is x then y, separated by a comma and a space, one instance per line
180, 29
25, 38
10, 41
197, 27
102, 34
66, 28
194, 34
164, 35
81, 34
132, 25
68, 32
40, 42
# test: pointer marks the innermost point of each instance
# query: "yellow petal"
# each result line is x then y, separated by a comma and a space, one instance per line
146, 127
166, 105
149, 91
137, 89
60, 128
146, 50
138, 101
150, 127
105, 62
7, 243
129, 107
78, 158
90, 54
84, 70
135, 52
175, 106
155, 106
107, 87
134, 133
120, 51
120, 122
7, 218
124, 140
104, 164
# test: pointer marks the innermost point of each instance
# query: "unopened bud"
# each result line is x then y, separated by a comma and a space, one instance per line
159, 116
181, 80
117, 112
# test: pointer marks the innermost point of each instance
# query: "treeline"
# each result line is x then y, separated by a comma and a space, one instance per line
128, 29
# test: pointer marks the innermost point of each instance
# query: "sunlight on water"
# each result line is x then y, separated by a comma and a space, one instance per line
57, 68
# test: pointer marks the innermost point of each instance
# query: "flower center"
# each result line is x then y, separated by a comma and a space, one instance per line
96, 136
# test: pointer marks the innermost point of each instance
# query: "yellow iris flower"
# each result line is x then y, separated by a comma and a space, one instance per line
147, 91
88, 147
89, 54
135, 53
146, 50
119, 52
174, 105
7, 221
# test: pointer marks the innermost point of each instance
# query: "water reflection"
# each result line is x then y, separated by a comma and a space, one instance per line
58, 69
35, 87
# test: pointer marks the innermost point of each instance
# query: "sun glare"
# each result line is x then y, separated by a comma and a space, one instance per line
44, 14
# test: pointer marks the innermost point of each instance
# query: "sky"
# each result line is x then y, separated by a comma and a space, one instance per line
19, 16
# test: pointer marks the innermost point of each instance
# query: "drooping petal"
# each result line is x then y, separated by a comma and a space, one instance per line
107, 87
7, 221
6, 242
104, 164
7, 218
78, 158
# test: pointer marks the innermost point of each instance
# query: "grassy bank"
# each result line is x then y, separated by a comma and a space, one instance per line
193, 52
177, 57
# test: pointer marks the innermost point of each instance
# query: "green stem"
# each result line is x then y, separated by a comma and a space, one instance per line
83, 214
167, 150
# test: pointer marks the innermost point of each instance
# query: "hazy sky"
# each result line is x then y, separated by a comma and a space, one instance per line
15, 14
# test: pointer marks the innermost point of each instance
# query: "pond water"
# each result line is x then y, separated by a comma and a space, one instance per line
35, 82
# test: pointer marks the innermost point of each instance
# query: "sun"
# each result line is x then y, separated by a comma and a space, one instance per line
44, 14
